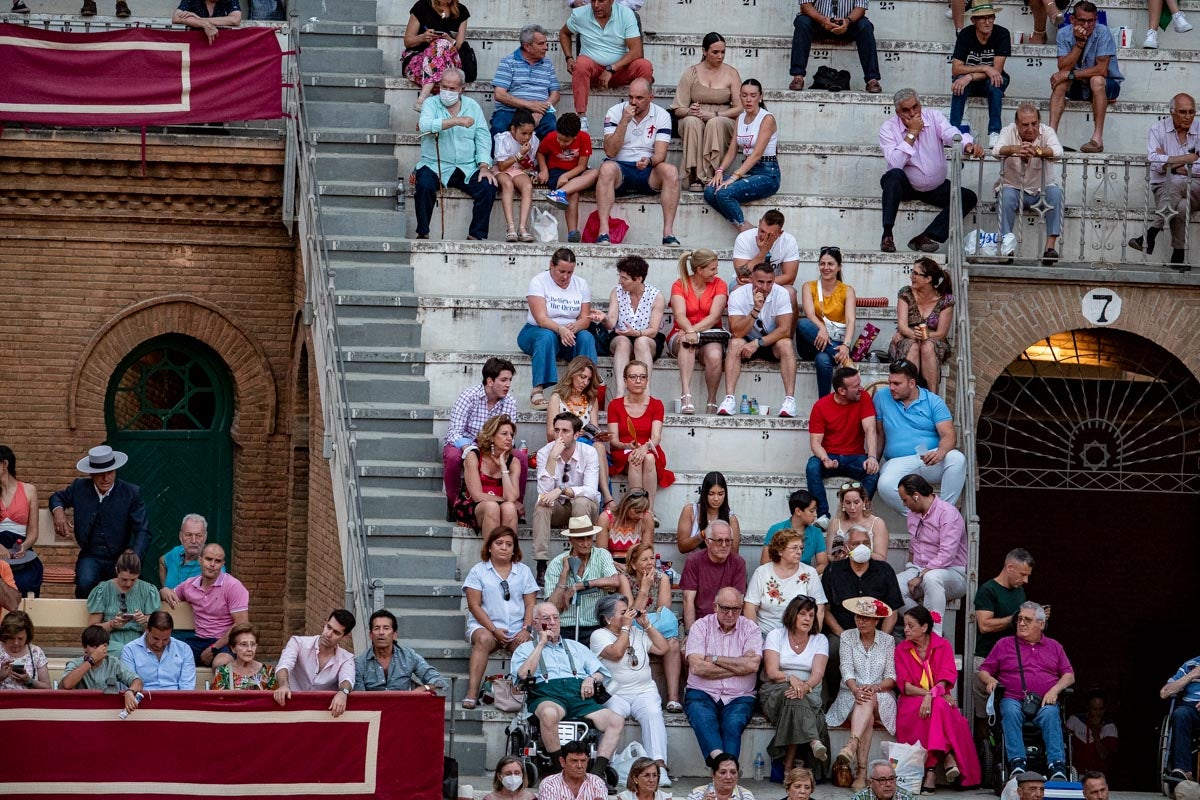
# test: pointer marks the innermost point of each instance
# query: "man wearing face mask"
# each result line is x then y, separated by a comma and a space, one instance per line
456, 151
856, 576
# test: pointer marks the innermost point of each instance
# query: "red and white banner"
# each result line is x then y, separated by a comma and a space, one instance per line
139, 77
235, 745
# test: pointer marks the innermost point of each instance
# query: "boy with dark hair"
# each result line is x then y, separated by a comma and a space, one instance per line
563, 167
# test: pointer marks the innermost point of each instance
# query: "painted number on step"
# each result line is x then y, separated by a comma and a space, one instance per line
757, 379
552, 46
910, 215
820, 55
486, 45
512, 261
750, 52
687, 51
1161, 66
683, 2
641, 210
1101, 306
820, 107
1033, 62
692, 432
766, 435
887, 5
767, 492
487, 96
704, 210
1025, 11
891, 57
749, 3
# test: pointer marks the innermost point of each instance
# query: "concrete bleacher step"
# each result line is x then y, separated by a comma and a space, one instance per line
355, 167
334, 114
397, 447
421, 503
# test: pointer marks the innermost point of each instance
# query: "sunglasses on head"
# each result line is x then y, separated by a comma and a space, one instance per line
905, 366
851, 485
831, 250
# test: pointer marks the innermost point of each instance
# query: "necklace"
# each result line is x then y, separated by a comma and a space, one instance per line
797, 648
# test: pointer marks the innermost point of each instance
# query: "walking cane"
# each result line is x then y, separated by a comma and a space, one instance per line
441, 186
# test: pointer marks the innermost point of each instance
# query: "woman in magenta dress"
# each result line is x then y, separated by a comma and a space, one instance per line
926, 711
635, 429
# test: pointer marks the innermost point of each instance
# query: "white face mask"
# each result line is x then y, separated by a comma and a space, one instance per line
511, 782
861, 554
449, 98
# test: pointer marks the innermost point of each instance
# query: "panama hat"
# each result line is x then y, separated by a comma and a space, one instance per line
101, 459
578, 527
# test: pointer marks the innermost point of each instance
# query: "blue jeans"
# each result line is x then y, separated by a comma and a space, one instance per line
861, 32
850, 466
761, 181
502, 119
1047, 719
543, 346
1012, 199
1184, 720
981, 88
483, 194
90, 571
823, 359
718, 725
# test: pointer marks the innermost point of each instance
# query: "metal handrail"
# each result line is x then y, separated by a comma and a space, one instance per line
320, 312
964, 410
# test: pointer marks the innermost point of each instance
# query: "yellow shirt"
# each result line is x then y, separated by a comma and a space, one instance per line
834, 305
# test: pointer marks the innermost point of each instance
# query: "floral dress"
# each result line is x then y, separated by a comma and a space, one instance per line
225, 678
900, 344
772, 594
425, 63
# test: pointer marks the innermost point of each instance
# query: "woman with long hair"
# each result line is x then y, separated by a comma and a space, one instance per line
757, 177
827, 324
631, 523
578, 391
695, 518
509, 781
635, 423
647, 589
491, 474
698, 301
435, 33
19, 525
924, 319
123, 605
705, 108
854, 511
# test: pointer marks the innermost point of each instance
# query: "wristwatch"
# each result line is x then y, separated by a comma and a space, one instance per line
1071, 75
609, 68
715, 657
346, 690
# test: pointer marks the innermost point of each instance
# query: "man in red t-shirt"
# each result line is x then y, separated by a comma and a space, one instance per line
841, 434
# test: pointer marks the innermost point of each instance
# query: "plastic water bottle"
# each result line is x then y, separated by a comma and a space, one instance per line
137, 698
759, 767
754, 406
744, 408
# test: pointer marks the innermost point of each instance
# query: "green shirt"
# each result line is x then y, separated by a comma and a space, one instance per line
1001, 602
105, 600
109, 676
600, 565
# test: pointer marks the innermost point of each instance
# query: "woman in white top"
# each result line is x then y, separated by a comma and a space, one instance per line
500, 591
557, 325
625, 649
867, 693
856, 513
643, 783
635, 314
755, 136
794, 659
773, 585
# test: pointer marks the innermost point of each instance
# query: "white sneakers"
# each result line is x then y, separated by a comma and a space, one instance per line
1180, 23
1151, 40
728, 406
788, 407
993, 140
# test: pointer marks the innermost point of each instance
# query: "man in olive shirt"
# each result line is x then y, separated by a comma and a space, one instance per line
996, 606
94, 670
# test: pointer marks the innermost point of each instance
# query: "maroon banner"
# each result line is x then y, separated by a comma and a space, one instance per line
222, 744
139, 77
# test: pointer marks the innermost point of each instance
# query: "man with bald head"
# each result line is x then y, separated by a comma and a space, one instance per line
219, 601
1171, 148
724, 650
637, 133
564, 675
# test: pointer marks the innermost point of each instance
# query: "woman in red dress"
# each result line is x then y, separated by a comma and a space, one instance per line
635, 429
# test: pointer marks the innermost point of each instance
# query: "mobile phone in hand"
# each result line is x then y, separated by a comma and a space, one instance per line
18, 669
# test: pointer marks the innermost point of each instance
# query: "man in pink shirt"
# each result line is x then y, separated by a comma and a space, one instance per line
937, 550
219, 601
912, 143
317, 664
724, 650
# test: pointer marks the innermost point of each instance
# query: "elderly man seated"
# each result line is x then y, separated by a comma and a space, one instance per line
526, 80
1031, 667
554, 665
1027, 147
1185, 719
162, 662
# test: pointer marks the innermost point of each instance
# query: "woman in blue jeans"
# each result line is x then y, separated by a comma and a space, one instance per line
755, 135
557, 323
827, 326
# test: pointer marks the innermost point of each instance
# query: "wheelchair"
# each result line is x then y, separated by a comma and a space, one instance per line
994, 761
523, 739
1166, 737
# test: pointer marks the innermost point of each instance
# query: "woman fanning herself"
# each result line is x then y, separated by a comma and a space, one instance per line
698, 301
647, 589
927, 710
635, 429
758, 175
924, 317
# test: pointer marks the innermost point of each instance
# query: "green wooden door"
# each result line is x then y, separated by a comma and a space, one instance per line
169, 405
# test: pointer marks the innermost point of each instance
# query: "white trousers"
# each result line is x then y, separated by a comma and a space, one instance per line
950, 472
940, 585
646, 708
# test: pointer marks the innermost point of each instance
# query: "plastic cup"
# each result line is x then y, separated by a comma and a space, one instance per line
676, 405
764, 411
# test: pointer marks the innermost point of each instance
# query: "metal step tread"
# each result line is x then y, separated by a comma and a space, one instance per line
368, 410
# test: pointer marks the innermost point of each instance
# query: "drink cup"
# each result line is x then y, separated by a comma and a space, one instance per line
764, 411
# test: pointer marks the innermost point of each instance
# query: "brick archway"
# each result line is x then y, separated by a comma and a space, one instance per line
254, 383
1008, 316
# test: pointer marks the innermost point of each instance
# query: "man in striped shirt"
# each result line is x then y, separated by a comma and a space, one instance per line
526, 79
475, 406
839, 21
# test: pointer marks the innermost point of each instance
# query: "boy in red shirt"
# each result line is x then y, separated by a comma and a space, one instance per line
563, 167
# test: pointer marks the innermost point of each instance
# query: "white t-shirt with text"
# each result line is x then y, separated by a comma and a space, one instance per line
562, 305
639, 136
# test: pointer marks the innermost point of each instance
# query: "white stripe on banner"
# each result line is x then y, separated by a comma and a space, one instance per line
185, 77
212, 785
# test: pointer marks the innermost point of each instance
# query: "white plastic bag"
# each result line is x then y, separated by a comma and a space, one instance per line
544, 225
623, 760
983, 243
1009, 246
909, 762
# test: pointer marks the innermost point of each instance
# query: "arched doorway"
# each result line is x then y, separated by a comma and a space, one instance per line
169, 405
1089, 456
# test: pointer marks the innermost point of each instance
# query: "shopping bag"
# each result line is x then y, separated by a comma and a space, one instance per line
909, 762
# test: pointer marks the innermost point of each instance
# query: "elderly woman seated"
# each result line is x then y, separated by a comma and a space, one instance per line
625, 649
794, 658
245, 672
724, 783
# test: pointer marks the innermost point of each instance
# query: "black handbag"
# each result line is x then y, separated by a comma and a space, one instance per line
470, 64
1031, 702
718, 335
831, 80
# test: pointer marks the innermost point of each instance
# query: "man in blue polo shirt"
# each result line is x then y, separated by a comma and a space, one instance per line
526, 79
918, 438
1184, 684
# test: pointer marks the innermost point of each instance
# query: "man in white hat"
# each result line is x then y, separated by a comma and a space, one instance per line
109, 517
579, 577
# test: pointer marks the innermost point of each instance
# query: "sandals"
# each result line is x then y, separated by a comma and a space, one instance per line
538, 400
674, 707
685, 404
511, 235
953, 773
848, 754
1038, 37
927, 789
711, 408
695, 186
525, 236
469, 703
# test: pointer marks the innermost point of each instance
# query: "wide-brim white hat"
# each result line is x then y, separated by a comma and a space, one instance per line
101, 459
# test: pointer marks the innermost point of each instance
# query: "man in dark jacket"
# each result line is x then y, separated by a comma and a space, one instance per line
109, 517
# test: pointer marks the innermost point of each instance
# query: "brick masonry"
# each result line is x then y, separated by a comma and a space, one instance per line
98, 258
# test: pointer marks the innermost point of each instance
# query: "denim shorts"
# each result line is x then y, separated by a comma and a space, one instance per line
1080, 90
555, 175
634, 180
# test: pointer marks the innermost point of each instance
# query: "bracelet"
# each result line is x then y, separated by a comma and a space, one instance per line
720, 170
624, 630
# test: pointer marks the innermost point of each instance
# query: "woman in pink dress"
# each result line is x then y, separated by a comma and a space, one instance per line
926, 711
635, 430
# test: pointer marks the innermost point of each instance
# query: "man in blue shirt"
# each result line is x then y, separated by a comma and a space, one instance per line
918, 438
389, 666
526, 79
1184, 685
1087, 70
803, 508
183, 562
161, 661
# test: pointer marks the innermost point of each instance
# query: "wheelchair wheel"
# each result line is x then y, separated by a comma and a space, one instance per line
515, 744
1166, 786
531, 772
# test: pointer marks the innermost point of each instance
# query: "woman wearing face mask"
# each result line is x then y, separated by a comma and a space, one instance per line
509, 781
868, 670
854, 511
